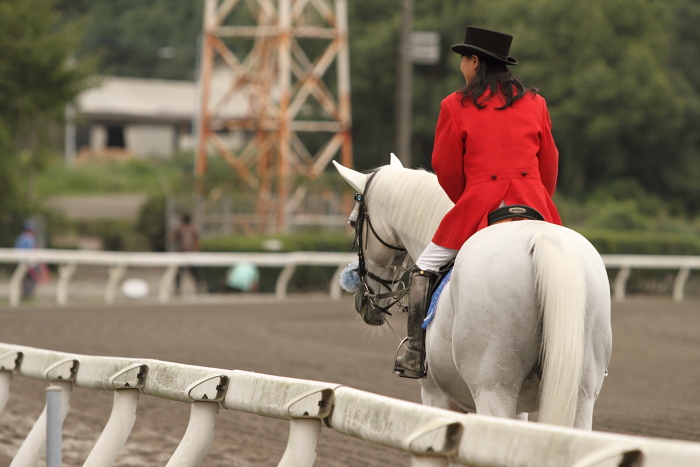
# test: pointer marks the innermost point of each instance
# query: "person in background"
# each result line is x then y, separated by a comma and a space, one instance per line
243, 277
185, 239
27, 241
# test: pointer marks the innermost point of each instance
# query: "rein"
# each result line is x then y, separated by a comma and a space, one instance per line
358, 219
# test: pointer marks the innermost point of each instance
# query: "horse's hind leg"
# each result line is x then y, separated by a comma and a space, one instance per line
591, 383
587, 396
433, 396
497, 381
584, 412
497, 402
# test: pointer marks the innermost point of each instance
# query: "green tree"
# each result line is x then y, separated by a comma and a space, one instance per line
619, 76
682, 177
36, 82
154, 39
613, 104
603, 67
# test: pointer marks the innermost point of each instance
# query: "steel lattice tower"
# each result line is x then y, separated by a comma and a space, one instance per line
279, 54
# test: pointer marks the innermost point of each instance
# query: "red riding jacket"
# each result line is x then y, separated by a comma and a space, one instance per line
484, 156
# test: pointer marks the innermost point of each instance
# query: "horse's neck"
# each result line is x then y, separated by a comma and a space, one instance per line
417, 208
414, 246
414, 239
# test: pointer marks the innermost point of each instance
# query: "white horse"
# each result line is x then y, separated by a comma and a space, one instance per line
523, 325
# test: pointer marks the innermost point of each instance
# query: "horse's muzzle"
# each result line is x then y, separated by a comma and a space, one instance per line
369, 313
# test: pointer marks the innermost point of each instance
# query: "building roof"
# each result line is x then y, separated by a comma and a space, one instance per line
154, 99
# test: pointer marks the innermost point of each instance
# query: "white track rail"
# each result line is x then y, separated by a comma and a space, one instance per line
433, 437
119, 262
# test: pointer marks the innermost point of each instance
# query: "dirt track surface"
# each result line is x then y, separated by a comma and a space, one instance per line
652, 388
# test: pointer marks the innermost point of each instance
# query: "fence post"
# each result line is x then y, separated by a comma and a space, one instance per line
115, 275
621, 282
16, 283
335, 291
301, 445
5, 380
54, 422
65, 272
679, 284
198, 436
117, 430
166, 283
32, 448
282, 284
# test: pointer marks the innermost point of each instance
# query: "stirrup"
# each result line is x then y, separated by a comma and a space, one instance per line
398, 349
397, 370
420, 374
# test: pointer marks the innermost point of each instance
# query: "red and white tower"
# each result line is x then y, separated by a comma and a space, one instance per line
278, 56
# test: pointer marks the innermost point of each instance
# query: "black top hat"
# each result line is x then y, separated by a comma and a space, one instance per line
492, 44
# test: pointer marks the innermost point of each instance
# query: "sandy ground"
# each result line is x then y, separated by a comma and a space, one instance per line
652, 388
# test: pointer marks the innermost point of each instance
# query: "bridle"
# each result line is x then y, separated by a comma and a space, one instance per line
362, 223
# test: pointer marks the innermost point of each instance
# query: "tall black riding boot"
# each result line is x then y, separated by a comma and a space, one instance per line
412, 363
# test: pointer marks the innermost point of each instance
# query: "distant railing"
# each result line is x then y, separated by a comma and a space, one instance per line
684, 265
433, 437
119, 262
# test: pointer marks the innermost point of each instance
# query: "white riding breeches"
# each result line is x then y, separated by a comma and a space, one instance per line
434, 257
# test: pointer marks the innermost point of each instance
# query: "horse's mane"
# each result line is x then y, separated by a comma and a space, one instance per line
410, 198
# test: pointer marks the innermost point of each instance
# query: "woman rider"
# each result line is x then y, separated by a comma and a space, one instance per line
493, 148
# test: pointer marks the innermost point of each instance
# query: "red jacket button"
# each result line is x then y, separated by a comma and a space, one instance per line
524, 174
494, 177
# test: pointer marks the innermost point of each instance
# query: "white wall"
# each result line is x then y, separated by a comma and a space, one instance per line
150, 140
98, 137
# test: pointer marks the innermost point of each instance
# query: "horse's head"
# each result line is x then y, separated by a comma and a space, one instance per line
382, 259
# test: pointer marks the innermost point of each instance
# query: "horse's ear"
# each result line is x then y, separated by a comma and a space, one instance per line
356, 180
395, 161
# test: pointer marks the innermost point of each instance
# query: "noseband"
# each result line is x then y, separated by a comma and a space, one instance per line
362, 223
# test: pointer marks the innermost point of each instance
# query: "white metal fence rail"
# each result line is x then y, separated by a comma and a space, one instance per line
119, 262
625, 263
433, 437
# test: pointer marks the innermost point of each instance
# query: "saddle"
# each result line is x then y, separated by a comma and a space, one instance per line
514, 212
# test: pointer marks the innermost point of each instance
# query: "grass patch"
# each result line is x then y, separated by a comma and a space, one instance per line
107, 176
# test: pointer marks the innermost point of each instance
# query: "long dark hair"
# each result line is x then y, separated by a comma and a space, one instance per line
496, 78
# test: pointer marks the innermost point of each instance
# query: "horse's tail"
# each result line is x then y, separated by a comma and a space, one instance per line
561, 287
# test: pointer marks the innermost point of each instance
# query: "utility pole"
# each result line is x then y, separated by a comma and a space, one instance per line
404, 89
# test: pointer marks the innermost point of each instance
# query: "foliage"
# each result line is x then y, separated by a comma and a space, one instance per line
623, 95
618, 75
12, 206
305, 278
36, 81
110, 176
289, 242
611, 85
152, 223
115, 234
154, 39
613, 113
36, 77
682, 177
642, 243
